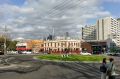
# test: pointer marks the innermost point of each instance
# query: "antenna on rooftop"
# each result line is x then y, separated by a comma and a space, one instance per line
53, 32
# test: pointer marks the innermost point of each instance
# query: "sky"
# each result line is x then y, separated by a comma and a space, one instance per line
35, 19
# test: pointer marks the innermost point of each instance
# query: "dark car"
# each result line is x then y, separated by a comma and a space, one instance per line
1, 52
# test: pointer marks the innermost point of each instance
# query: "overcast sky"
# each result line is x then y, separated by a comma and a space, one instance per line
35, 19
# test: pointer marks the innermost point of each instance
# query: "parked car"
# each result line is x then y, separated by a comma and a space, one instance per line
113, 53
85, 53
26, 52
1, 52
12, 52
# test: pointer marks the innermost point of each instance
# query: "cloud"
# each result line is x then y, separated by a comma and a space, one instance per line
37, 18
115, 1
4, 1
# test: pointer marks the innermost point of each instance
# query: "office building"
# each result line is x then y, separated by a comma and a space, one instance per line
103, 36
89, 33
108, 28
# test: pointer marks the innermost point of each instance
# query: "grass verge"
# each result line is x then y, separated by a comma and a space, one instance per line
96, 58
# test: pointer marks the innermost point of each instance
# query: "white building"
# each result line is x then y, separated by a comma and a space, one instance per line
108, 28
62, 38
57, 46
89, 32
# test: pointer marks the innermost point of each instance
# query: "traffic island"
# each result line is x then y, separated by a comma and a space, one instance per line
74, 58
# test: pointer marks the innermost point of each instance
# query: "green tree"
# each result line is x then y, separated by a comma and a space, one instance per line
2, 40
12, 45
113, 50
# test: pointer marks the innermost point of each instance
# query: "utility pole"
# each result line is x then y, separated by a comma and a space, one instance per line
5, 40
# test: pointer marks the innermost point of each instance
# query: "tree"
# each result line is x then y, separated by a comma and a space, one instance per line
2, 40
10, 45
113, 49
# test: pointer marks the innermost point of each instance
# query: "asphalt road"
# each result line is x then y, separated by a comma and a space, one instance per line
38, 69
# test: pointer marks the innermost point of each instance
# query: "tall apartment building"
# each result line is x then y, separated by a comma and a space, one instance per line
89, 33
108, 28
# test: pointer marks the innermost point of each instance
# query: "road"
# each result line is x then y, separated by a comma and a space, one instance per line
39, 69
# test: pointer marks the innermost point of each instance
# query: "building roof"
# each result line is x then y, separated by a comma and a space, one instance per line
95, 40
62, 40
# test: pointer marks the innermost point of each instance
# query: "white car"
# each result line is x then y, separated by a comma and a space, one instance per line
85, 53
26, 52
12, 52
